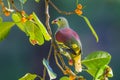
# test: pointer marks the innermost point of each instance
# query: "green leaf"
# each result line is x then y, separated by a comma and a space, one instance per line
28, 76
49, 70
37, 1
96, 62
1, 19
5, 28
17, 19
33, 28
42, 27
30, 29
91, 28
64, 78
23, 1
34, 33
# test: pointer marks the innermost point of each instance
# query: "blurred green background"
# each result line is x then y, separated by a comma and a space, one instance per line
18, 56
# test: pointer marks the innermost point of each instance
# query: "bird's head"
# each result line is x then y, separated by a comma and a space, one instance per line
61, 22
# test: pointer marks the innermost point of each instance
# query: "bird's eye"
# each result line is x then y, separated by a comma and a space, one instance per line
59, 19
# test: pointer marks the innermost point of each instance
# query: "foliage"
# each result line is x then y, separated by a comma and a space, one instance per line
96, 63
28, 76
4, 29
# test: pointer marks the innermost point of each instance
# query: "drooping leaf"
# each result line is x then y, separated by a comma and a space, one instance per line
42, 27
28, 76
5, 28
37, 1
64, 78
23, 1
91, 28
96, 62
52, 75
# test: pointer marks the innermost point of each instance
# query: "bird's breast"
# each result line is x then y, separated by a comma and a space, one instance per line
63, 35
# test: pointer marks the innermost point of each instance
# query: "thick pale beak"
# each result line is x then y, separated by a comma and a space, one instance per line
54, 22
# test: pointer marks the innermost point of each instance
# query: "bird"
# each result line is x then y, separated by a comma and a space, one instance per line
69, 42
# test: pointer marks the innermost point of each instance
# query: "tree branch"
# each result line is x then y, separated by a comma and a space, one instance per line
56, 60
61, 59
49, 31
47, 17
59, 11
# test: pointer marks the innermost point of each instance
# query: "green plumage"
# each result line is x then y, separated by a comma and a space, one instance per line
69, 42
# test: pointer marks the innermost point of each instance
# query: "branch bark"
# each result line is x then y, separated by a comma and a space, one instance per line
49, 31
60, 11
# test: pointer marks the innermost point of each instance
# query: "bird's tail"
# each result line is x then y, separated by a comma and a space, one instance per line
77, 63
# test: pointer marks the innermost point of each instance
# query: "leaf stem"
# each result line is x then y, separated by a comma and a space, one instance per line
77, 2
8, 4
13, 5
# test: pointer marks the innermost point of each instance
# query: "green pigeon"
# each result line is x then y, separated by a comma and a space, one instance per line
69, 42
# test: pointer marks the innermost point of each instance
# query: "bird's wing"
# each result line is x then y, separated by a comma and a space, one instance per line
70, 39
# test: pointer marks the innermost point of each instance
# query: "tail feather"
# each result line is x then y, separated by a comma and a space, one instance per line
77, 63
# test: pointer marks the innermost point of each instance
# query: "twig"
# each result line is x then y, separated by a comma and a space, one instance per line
47, 17
49, 31
56, 60
61, 59
67, 70
13, 5
59, 11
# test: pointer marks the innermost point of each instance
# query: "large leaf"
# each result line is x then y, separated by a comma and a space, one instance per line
35, 29
5, 28
28, 76
96, 62
42, 27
